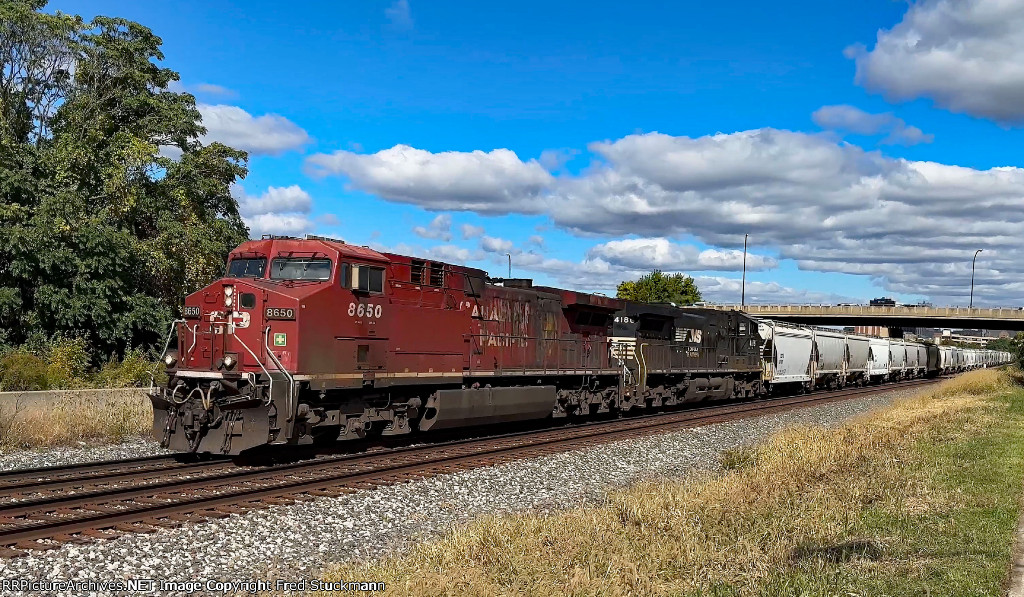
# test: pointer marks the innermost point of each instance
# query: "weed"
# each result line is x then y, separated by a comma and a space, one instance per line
108, 417
919, 498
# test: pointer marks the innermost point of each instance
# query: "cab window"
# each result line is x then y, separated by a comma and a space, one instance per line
247, 268
345, 275
300, 268
368, 278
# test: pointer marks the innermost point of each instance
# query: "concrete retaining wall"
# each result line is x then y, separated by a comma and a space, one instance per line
10, 400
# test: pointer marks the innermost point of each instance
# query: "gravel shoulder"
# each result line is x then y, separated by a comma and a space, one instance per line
299, 540
25, 459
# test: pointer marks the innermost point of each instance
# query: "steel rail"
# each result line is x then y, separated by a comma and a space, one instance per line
111, 475
21, 524
46, 471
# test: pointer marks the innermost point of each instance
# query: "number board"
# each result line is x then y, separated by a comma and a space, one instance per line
280, 313
190, 312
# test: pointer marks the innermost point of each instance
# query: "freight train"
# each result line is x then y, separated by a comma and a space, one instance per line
314, 340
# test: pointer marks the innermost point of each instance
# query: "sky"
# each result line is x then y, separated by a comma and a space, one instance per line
865, 148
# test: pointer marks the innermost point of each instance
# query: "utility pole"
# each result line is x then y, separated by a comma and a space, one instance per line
743, 286
973, 262
509, 264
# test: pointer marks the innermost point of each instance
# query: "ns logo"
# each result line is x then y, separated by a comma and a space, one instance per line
692, 336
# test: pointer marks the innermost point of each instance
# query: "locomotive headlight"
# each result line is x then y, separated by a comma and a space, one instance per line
227, 301
170, 359
229, 361
229, 291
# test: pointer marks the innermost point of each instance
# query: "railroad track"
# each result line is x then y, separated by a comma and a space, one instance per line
43, 508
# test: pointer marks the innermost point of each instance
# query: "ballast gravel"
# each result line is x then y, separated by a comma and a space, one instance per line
297, 541
137, 447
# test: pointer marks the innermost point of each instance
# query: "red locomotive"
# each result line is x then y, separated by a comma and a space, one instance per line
308, 340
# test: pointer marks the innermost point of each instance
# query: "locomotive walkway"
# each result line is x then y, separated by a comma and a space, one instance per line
1000, 318
42, 508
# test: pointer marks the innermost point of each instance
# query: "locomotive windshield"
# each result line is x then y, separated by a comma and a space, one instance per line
247, 268
300, 268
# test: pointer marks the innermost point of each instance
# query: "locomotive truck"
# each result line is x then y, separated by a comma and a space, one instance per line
316, 340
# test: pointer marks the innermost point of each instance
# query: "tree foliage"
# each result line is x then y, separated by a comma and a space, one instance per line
104, 233
1014, 346
657, 287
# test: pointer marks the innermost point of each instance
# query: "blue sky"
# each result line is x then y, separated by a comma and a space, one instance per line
860, 168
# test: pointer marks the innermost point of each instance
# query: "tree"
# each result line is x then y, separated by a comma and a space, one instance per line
1004, 344
104, 233
657, 287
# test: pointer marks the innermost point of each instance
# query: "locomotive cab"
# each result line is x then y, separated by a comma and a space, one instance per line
238, 366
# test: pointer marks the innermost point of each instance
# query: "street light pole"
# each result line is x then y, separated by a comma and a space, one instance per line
509, 264
743, 286
973, 262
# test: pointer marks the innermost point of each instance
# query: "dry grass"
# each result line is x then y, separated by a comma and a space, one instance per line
907, 495
68, 420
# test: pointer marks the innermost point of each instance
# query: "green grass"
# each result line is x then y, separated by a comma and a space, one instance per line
921, 498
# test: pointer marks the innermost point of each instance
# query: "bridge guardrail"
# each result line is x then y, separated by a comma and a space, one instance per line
868, 310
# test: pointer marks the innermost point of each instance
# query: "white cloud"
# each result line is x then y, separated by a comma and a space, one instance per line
201, 88
496, 245
487, 182
278, 210
446, 253
833, 206
851, 119
536, 240
469, 231
399, 14
440, 228
269, 134
170, 151
910, 226
213, 89
595, 273
555, 159
274, 199
966, 55
453, 254
282, 224
660, 253
729, 290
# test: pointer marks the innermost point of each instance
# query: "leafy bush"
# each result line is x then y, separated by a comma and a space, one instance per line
21, 370
134, 370
65, 364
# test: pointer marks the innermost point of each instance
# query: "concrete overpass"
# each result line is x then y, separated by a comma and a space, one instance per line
1004, 318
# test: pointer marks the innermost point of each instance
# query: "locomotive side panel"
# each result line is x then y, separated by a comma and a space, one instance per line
507, 335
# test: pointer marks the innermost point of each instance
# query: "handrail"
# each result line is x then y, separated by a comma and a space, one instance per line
643, 366
195, 336
167, 344
270, 391
291, 380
